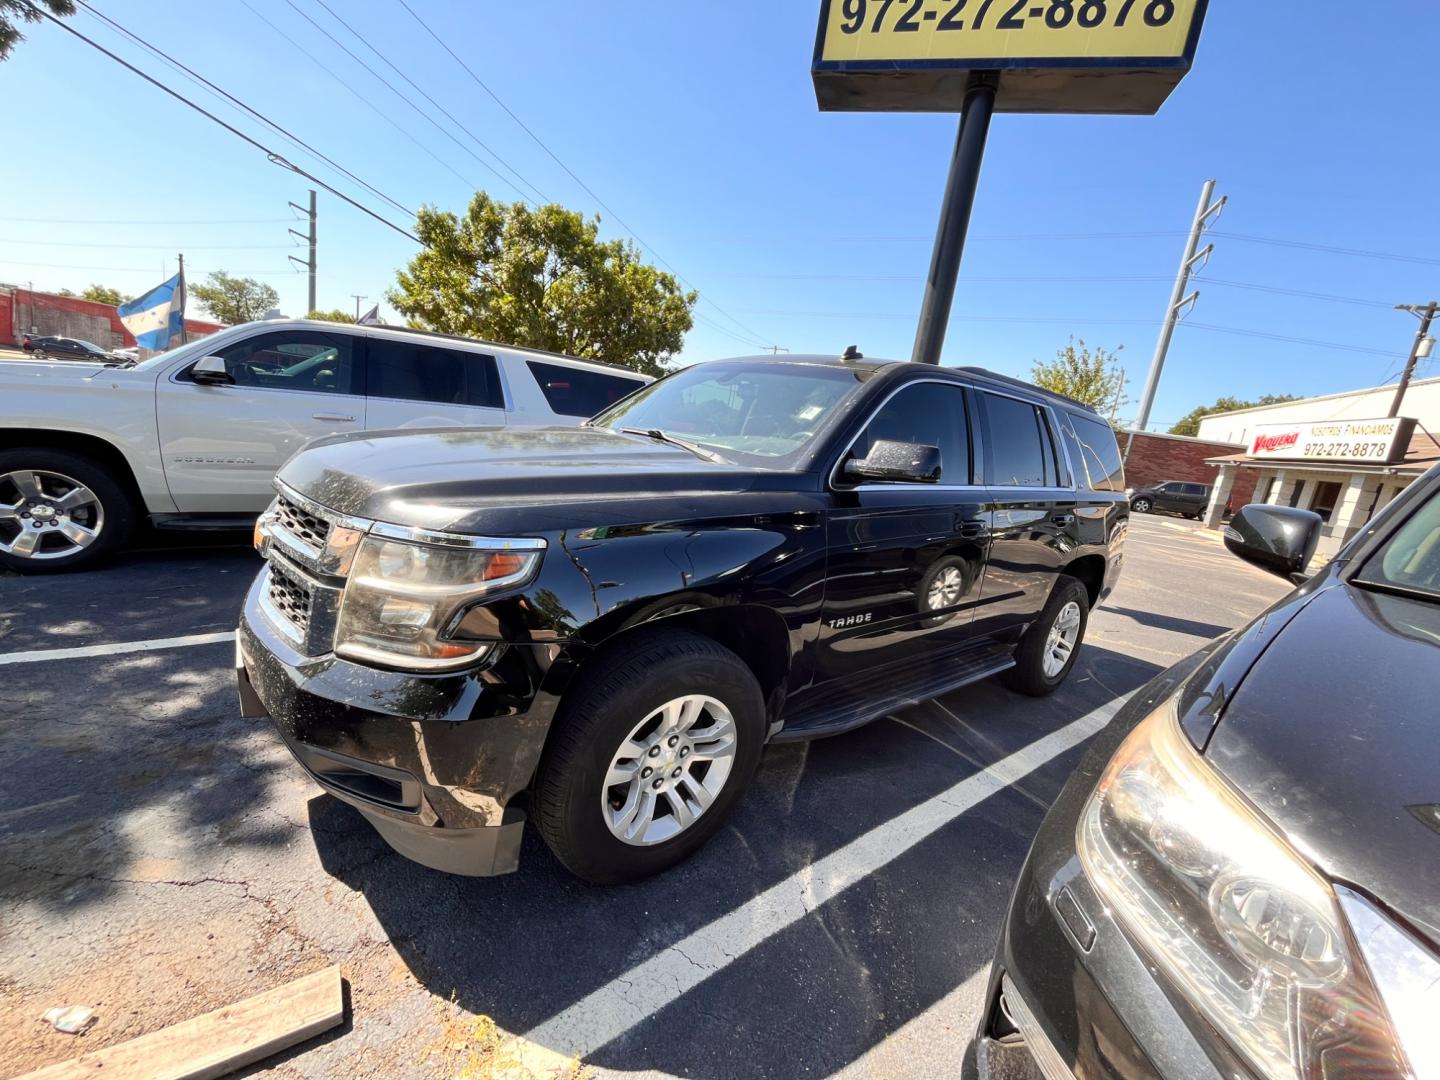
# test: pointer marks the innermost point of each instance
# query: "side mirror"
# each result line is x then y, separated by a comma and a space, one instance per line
210, 371
1279, 539
896, 462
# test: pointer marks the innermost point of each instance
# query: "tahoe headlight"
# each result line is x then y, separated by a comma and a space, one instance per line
1242, 925
402, 598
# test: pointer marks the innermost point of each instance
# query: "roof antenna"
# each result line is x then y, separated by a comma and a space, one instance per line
852, 353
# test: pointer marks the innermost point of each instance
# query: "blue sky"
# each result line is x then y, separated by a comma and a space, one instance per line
697, 125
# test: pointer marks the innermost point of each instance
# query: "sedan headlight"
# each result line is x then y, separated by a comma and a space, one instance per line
403, 597
1242, 925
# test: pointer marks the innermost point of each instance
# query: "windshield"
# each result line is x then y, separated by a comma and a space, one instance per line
768, 411
1410, 560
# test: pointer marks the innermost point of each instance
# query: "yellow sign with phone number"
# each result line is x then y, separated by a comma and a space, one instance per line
1052, 55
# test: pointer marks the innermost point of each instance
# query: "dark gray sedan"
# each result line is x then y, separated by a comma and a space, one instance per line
1243, 876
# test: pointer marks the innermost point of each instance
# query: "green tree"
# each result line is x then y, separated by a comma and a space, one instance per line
542, 278
1190, 423
103, 294
335, 315
28, 10
1091, 376
234, 300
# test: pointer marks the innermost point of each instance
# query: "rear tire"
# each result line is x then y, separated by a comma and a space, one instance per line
59, 511
629, 717
1046, 654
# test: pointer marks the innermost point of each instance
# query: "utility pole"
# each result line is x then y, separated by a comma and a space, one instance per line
1424, 346
358, 298
1119, 397
775, 350
310, 237
975, 114
184, 336
1179, 301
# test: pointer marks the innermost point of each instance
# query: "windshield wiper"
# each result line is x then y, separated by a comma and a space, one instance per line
674, 440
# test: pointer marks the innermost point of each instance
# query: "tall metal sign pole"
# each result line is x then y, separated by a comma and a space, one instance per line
309, 263
1209, 209
955, 219
1049, 56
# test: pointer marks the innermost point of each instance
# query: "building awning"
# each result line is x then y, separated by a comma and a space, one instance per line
1420, 456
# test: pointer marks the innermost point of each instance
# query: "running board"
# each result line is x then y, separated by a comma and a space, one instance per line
204, 522
835, 708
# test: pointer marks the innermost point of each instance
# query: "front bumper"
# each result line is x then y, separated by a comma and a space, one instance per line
1086, 1002
434, 763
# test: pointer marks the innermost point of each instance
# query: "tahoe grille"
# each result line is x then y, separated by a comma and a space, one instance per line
290, 598
308, 528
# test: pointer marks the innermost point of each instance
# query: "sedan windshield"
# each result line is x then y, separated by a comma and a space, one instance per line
1410, 561
768, 411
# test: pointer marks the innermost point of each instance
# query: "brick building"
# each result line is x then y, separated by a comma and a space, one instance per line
1155, 459
44, 314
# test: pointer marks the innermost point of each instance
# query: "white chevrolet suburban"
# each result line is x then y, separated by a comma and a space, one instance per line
191, 438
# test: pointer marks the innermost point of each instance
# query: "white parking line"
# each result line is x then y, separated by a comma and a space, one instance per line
115, 649
613, 1009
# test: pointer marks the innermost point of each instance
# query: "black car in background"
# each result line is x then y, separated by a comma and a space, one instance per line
602, 627
1173, 496
64, 348
1243, 877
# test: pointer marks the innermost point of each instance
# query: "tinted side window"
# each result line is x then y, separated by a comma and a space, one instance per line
578, 392
409, 371
1195, 489
1016, 453
1100, 453
301, 360
931, 414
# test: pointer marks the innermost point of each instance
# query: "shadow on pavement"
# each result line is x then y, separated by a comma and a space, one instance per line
525, 947
1170, 622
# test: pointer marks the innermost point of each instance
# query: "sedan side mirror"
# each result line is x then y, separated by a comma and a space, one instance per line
1279, 539
211, 371
896, 462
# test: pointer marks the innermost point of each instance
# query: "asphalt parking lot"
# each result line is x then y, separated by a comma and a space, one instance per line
160, 857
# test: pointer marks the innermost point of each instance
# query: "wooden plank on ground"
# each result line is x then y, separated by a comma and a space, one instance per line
218, 1042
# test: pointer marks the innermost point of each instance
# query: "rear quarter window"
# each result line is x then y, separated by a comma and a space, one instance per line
1099, 453
580, 392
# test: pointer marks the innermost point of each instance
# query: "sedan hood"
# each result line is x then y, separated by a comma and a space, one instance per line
457, 479
1335, 735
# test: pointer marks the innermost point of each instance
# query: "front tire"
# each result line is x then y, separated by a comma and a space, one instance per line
58, 511
648, 756
1046, 654
1142, 506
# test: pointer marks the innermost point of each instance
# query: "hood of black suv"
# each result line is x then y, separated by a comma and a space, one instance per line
437, 479
1335, 735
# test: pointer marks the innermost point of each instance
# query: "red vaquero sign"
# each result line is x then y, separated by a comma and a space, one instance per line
1270, 444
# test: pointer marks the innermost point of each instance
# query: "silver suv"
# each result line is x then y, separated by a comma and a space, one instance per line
192, 438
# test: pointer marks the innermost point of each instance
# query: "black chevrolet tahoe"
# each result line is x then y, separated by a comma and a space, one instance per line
602, 627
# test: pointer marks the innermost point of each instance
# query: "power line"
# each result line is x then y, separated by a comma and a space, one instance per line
391, 87
196, 77
571, 172
1353, 252
157, 247
1254, 287
271, 155
362, 98
1284, 337
140, 221
130, 269
446, 112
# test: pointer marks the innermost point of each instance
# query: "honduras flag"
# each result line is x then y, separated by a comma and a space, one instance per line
157, 316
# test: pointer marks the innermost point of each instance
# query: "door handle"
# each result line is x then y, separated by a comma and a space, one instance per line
974, 530
1063, 519
339, 418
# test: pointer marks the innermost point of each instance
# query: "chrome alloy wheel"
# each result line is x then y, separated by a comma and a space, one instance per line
1061, 641
669, 770
47, 515
947, 588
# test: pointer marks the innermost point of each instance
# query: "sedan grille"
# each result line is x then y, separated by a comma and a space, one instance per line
308, 528
290, 597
